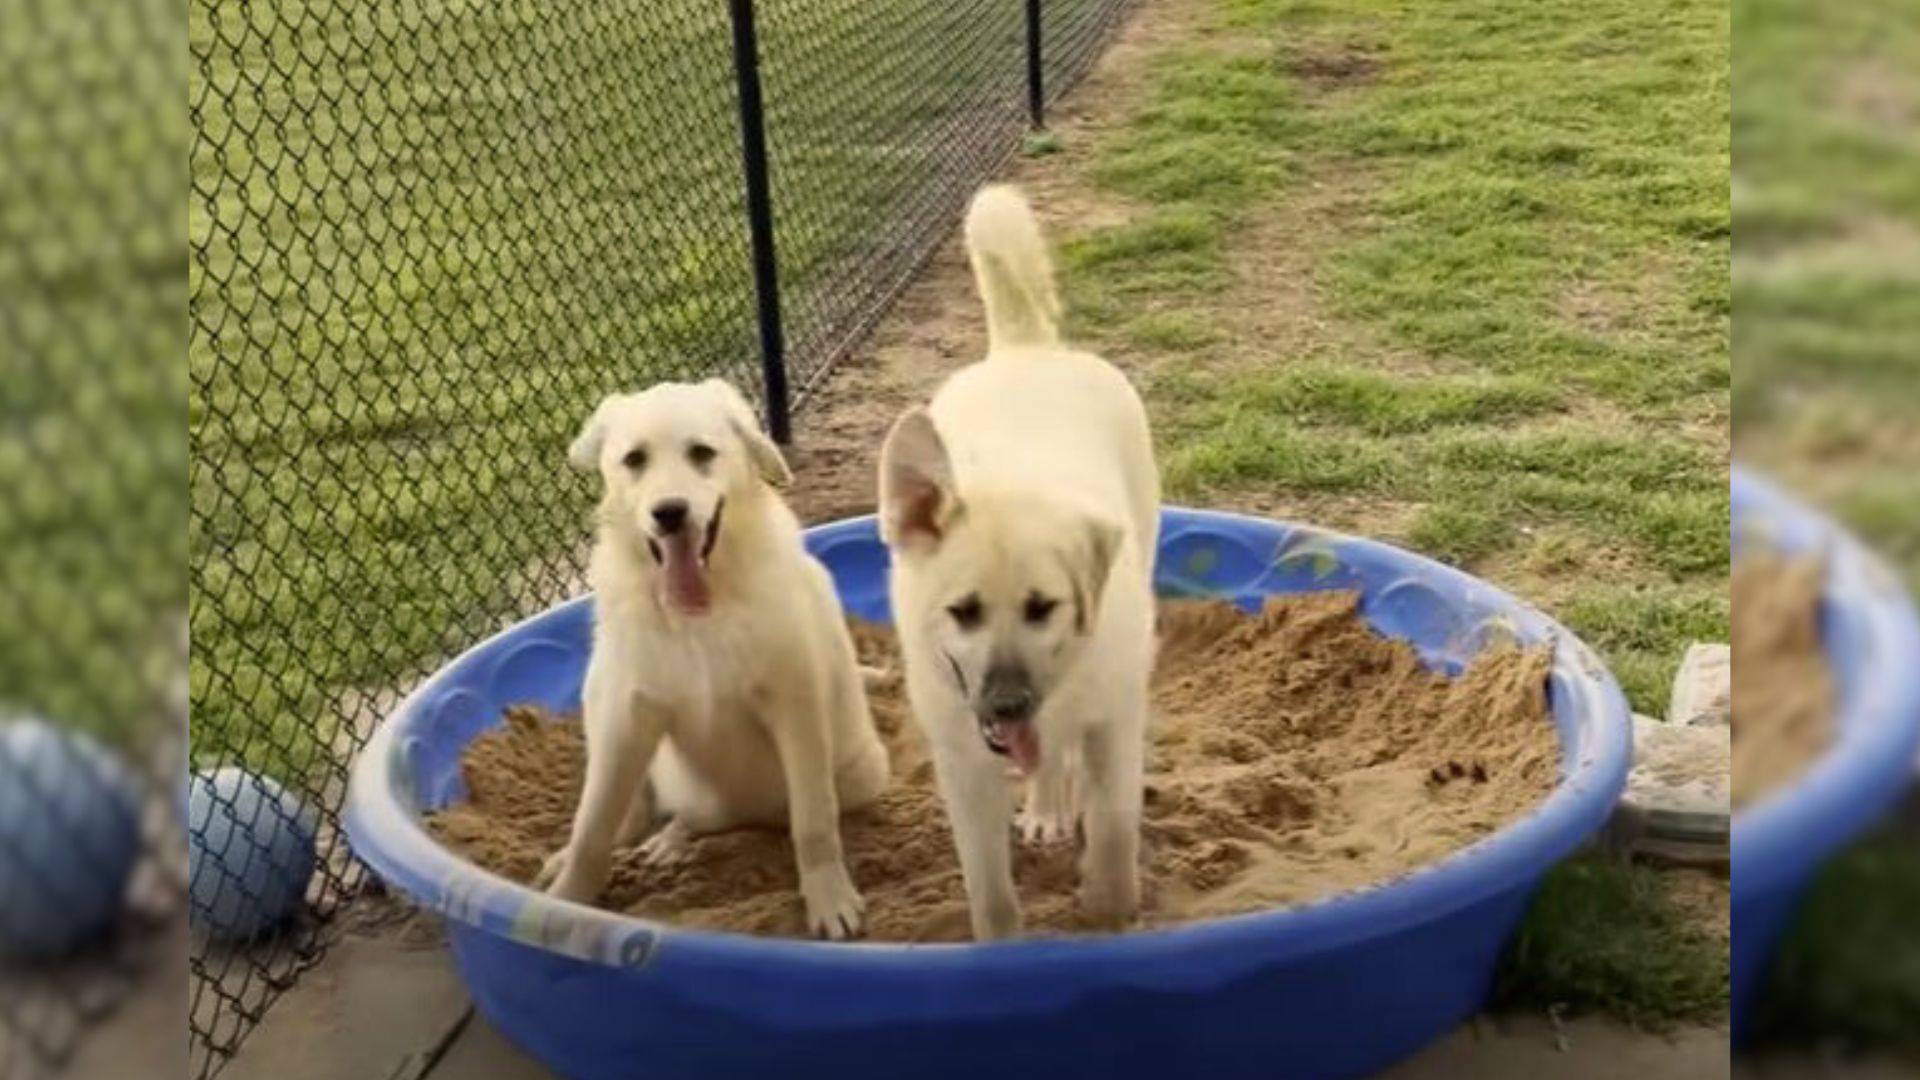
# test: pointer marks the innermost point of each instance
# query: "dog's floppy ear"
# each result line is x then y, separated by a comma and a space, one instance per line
584, 452
1091, 565
766, 457
917, 501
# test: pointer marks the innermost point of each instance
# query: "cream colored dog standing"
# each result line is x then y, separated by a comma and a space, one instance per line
1021, 507
722, 689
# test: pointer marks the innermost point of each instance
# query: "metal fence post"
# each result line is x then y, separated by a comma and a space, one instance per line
1036, 79
766, 268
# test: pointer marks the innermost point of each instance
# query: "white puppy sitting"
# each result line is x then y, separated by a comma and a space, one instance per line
1022, 510
722, 690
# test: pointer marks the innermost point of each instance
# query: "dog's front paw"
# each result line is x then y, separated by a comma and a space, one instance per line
834, 906
566, 878
1111, 904
1051, 814
995, 919
671, 845
1038, 828
551, 870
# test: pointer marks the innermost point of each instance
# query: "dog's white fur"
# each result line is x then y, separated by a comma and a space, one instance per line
752, 712
1028, 481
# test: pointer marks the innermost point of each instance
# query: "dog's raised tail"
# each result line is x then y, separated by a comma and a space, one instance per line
1011, 266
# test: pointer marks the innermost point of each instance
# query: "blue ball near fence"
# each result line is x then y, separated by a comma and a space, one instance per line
251, 853
69, 837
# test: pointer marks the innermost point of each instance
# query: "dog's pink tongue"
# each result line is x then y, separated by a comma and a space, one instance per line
686, 579
1023, 746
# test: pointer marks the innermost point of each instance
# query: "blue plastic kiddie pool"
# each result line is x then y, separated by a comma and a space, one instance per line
1872, 644
1337, 988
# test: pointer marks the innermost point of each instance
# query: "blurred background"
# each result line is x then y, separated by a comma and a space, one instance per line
1826, 346
93, 533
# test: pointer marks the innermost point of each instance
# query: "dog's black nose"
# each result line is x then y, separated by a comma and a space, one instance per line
670, 515
1009, 703
1007, 693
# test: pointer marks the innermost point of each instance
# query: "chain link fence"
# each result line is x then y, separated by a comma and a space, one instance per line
423, 240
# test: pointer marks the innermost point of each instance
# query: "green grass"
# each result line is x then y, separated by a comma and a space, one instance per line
1325, 395
1173, 331
1245, 446
1848, 971
1041, 144
1457, 533
1210, 136
1635, 627
426, 239
1605, 936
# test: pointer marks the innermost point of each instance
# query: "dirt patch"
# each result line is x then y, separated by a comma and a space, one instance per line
1616, 311
1704, 900
1330, 67
1863, 244
1277, 303
1296, 754
1878, 94
1783, 698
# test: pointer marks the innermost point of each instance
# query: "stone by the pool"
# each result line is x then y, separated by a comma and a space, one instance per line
1677, 797
1703, 689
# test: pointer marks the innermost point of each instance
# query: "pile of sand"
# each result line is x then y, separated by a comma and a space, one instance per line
1783, 699
1295, 754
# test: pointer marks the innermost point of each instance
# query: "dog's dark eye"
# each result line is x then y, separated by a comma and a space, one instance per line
967, 613
701, 454
1038, 609
635, 459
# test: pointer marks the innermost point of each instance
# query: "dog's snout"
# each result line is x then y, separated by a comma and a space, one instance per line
670, 515
1008, 694
1011, 707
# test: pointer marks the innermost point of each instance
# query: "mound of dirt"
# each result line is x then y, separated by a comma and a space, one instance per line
1296, 753
1783, 699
